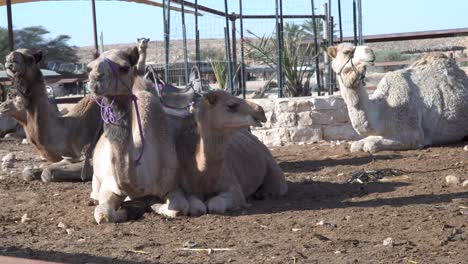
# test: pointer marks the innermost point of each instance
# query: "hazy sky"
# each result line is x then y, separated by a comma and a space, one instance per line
123, 22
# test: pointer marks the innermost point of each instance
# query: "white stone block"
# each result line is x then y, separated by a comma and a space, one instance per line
327, 103
305, 134
304, 119
285, 105
340, 132
303, 105
285, 119
273, 137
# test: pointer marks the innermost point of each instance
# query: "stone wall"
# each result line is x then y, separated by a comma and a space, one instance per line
304, 120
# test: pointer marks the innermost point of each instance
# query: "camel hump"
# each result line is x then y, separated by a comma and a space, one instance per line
430, 58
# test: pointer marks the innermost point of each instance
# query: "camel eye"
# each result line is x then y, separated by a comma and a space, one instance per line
347, 52
232, 107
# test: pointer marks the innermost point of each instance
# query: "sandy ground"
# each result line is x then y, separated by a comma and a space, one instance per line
323, 219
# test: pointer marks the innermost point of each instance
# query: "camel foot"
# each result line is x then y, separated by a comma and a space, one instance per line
31, 174
217, 205
62, 173
197, 207
175, 205
103, 213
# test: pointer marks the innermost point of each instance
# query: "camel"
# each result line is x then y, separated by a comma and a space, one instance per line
142, 47
136, 156
59, 139
222, 162
422, 105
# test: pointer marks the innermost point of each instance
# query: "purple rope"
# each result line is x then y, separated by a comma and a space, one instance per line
107, 113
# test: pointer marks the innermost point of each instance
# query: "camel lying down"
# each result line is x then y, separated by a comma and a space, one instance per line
53, 135
422, 105
213, 167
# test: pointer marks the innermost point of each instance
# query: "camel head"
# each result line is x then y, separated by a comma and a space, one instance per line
347, 59
113, 73
142, 43
15, 105
23, 63
224, 113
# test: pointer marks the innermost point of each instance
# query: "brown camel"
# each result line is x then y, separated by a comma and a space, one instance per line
142, 47
222, 162
54, 136
135, 157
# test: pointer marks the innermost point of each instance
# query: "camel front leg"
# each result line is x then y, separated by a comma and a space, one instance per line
226, 201
373, 144
64, 173
176, 204
109, 209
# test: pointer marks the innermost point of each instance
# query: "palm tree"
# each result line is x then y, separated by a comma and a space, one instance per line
296, 57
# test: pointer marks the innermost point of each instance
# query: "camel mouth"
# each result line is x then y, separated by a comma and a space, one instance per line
257, 122
11, 73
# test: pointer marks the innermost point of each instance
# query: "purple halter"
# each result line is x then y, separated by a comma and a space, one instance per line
107, 112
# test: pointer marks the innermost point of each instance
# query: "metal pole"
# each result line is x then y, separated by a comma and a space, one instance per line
184, 39
242, 70
197, 37
355, 23
281, 86
228, 48
325, 35
339, 18
361, 41
11, 46
166, 17
279, 63
316, 48
234, 53
96, 45
330, 71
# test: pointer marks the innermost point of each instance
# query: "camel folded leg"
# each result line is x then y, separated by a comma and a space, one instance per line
196, 206
109, 209
226, 201
176, 204
374, 144
64, 173
274, 182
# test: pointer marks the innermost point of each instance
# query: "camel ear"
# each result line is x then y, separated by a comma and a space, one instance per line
212, 98
147, 40
138, 39
38, 56
332, 51
133, 55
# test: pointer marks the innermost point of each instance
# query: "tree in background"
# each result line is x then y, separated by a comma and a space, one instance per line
54, 49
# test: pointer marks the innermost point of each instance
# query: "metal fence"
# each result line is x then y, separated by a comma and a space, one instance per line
270, 46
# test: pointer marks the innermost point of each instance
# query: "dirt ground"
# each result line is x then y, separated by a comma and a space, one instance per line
323, 219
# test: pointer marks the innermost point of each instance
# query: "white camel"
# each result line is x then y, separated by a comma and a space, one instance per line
422, 105
135, 157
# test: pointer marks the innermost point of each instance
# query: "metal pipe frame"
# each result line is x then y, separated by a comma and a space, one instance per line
317, 58
11, 45
184, 40
96, 45
228, 49
242, 70
279, 66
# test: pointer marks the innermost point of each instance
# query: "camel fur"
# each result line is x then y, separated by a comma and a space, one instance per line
53, 135
222, 162
422, 105
116, 175
142, 47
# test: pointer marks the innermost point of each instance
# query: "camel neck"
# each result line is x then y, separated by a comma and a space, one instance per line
119, 134
141, 61
210, 149
358, 104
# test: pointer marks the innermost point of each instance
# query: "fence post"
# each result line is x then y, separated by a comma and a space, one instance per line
228, 48
361, 40
234, 53
316, 50
197, 38
355, 23
325, 36
11, 46
279, 66
184, 40
96, 46
242, 71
